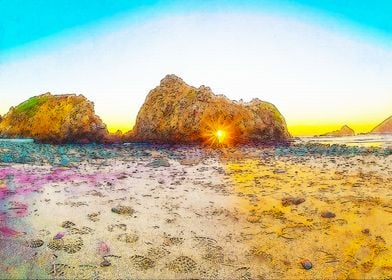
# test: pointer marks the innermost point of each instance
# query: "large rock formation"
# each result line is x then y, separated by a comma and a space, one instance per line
175, 112
343, 131
383, 128
54, 119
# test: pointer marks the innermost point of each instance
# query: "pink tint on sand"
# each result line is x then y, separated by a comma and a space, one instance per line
21, 182
8, 232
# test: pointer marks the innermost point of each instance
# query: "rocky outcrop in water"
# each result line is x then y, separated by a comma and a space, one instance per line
383, 128
343, 131
54, 119
175, 112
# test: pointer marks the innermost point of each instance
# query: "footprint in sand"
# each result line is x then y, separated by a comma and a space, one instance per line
242, 273
182, 264
122, 227
128, 237
213, 254
141, 262
69, 244
169, 240
204, 241
72, 229
94, 217
67, 224
157, 253
33, 243
60, 269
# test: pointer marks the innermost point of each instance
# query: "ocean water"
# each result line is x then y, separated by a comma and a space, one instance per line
366, 140
17, 140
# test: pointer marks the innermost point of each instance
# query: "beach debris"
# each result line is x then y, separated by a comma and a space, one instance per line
286, 201
59, 235
105, 263
328, 214
279, 171
123, 210
103, 248
306, 264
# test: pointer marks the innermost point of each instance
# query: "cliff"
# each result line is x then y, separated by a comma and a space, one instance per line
343, 131
54, 119
175, 112
383, 128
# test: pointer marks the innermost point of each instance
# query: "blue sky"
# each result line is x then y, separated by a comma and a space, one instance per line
310, 58
24, 21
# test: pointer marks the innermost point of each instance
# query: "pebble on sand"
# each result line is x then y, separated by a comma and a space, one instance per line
59, 235
105, 262
307, 264
328, 214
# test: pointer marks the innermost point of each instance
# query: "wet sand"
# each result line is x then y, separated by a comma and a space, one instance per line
230, 214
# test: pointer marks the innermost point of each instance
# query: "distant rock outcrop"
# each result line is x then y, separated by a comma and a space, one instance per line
175, 112
54, 119
343, 131
383, 128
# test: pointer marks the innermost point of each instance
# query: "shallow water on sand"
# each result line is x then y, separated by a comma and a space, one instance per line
142, 211
368, 140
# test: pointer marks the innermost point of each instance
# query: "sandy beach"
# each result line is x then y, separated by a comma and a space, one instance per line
188, 212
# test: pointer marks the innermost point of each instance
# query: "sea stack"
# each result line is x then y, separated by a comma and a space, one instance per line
345, 130
54, 119
175, 112
383, 128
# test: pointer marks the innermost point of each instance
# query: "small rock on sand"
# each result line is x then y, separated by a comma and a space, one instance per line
286, 201
328, 214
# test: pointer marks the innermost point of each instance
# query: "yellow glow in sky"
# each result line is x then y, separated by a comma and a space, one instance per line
319, 129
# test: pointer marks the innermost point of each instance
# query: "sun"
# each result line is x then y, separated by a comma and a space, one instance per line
217, 135
220, 135
218, 131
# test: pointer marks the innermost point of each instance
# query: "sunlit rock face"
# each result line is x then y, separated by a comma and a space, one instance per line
54, 119
384, 128
343, 131
175, 112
